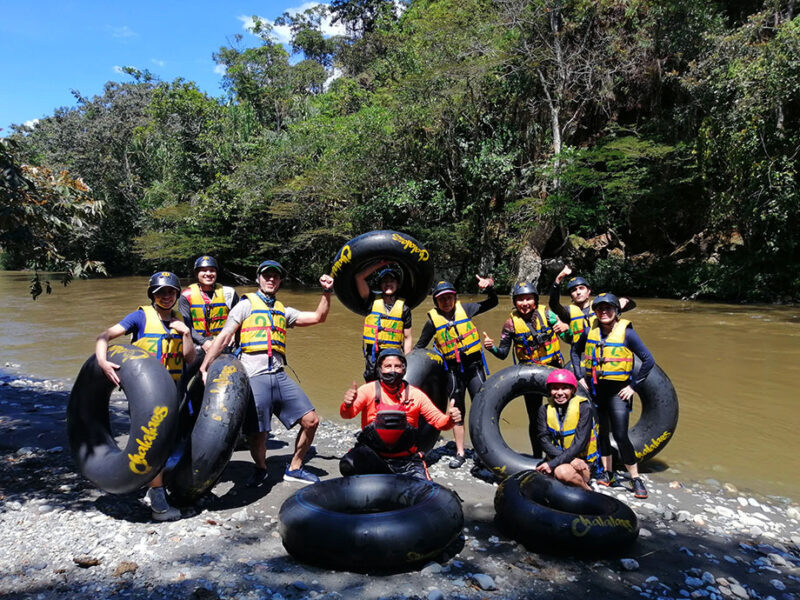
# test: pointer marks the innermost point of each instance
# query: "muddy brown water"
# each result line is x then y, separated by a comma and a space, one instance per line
735, 368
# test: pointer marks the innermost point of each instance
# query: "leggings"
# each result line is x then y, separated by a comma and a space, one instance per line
459, 382
613, 415
532, 404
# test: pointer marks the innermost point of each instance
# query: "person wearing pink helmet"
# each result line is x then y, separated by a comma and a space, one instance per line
567, 432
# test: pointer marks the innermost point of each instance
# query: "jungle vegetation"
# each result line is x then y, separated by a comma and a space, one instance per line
651, 144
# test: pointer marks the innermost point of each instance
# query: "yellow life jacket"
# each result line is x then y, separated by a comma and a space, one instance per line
563, 432
609, 359
382, 328
207, 319
166, 345
459, 334
265, 328
579, 322
526, 348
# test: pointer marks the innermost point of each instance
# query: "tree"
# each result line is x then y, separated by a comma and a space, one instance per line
46, 219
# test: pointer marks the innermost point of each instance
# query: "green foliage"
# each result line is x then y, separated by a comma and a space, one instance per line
46, 219
488, 129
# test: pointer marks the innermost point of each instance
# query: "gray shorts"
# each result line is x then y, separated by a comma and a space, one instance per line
275, 394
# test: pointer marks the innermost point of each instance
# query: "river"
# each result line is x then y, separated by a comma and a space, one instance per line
735, 368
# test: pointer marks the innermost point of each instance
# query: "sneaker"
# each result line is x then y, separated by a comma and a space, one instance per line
300, 475
160, 510
639, 491
608, 479
258, 477
457, 461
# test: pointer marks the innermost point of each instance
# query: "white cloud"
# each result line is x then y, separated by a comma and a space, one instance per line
158, 63
118, 69
123, 32
283, 34
220, 69
31, 124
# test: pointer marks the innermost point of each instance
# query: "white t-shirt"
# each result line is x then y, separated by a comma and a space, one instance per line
259, 363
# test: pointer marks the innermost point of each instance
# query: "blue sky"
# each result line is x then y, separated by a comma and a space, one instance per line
51, 47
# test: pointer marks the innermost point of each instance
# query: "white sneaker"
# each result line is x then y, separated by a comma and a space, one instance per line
160, 509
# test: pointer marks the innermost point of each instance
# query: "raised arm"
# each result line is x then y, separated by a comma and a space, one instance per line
307, 318
361, 277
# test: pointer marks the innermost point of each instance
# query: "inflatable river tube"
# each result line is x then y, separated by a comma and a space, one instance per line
544, 514
357, 254
370, 522
205, 453
649, 435
426, 370
153, 407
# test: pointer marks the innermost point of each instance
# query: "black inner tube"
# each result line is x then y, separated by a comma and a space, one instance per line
153, 407
400, 248
650, 434
370, 522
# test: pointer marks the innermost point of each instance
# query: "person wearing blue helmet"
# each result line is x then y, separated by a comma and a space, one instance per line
578, 315
533, 331
159, 330
390, 412
607, 373
262, 322
388, 323
457, 340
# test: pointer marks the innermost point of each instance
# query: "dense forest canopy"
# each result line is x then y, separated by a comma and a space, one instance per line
653, 145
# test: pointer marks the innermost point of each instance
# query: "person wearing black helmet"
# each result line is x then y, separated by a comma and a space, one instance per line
388, 324
206, 304
161, 331
533, 330
607, 373
578, 315
390, 411
262, 321
455, 337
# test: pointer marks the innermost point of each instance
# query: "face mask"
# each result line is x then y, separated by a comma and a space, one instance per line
392, 378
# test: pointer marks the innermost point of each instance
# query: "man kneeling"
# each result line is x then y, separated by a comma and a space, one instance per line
566, 432
390, 410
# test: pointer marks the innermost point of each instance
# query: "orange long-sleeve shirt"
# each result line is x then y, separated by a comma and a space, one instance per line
419, 404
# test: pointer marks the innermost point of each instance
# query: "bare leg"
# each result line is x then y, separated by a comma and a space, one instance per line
633, 470
570, 476
308, 428
258, 448
459, 434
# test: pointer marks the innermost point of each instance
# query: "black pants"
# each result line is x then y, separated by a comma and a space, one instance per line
532, 404
363, 460
613, 416
458, 382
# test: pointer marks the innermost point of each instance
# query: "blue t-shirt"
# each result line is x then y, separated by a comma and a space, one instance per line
134, 324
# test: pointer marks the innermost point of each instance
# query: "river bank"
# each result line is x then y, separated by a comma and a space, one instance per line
62, 538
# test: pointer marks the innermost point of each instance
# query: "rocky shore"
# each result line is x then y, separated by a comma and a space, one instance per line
61, 538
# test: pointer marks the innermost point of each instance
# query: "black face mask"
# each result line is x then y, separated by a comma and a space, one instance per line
392, 378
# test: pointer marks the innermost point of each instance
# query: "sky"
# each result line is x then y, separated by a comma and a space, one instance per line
52, 47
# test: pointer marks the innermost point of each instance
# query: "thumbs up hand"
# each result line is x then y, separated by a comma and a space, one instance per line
455, 414
488, 342
350, 395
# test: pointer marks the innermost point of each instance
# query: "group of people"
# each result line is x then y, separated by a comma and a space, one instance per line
568, 432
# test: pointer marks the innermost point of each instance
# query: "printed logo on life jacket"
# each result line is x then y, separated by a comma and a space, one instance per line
411, 247
123, 353
138, 462
582, 525
345, 254
653, 444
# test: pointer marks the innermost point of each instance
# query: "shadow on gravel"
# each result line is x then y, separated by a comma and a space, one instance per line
664, 559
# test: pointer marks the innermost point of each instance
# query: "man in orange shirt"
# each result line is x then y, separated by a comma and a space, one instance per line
390, 411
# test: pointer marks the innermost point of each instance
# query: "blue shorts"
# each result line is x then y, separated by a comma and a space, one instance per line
275, 394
